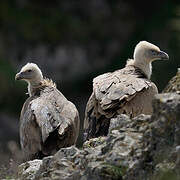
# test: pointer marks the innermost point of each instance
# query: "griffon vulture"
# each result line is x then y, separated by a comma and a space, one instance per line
125, 91
48, 121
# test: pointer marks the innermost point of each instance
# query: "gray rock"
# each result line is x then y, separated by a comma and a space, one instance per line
63, 165
28, 169
142, 148
174, 84
119, 122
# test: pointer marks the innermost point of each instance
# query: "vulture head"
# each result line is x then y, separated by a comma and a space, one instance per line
145, 51
144, 54
30, 73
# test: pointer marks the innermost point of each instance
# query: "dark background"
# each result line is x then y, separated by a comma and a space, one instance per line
74, 41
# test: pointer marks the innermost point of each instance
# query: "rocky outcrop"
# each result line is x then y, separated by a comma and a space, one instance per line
174, 84
27, 170
142, 148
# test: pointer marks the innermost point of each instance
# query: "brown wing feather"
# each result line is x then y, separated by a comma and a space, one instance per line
30, 134
56, 120
117, 87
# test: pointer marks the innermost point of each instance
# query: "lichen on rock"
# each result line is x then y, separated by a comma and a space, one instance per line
28, 169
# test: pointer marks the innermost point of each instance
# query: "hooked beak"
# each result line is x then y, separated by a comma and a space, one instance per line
162, 55
18, 76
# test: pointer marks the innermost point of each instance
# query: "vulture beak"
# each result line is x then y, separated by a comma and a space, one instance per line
18, 76
162, 55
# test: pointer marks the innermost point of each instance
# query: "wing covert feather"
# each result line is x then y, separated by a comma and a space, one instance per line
50, 111
116, 86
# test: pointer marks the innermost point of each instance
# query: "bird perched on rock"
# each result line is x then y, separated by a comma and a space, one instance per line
125, 91
48, 120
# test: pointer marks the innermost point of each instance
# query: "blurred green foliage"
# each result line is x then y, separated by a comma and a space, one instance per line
9, 100
28, 23
108, 30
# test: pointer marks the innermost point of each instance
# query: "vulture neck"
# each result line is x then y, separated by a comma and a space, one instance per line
32, 86
145, 66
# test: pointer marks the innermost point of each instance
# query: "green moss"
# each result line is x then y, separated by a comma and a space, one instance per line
115, 172
168, 175
6, 173
165, 171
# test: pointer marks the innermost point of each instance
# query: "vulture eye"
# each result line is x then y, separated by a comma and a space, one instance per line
153, 51
29, 70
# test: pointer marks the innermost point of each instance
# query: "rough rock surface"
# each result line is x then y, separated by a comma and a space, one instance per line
142, 148
174, 84
28, 169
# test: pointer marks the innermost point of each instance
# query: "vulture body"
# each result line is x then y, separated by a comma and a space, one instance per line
48, 120
126, 91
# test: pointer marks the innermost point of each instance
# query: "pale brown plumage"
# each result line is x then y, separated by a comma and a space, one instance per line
48, 120
128, 91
